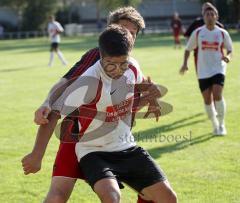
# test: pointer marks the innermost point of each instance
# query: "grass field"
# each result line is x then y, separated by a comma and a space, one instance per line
201, 168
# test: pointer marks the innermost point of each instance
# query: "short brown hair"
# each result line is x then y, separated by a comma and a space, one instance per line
208, 6
115, 40
126, 13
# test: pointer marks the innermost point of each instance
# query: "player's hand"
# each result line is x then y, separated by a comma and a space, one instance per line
183, 69
226, 59
153, 108
41, 114
148, 89
31, 163
153, 90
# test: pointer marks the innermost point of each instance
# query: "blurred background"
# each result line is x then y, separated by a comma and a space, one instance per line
28, 18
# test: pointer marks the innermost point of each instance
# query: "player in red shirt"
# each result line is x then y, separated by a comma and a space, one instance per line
176, 25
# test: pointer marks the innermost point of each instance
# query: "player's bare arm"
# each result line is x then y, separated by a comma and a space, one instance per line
228, 56
184, 67
32, 162
42, 112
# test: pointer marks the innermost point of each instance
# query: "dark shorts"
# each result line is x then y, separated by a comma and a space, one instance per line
206, 83
54, 45
133, 166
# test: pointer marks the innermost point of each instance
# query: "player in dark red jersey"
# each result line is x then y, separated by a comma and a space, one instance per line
176, 25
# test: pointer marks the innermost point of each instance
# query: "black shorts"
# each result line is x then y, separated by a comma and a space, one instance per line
54, 45
205, 83
133, 166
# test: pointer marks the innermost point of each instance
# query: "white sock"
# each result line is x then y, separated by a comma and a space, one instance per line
61, 57
211, 112
51, 58
221, 110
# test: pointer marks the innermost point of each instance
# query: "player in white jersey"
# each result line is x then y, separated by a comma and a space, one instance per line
106, 151
211, 65
54, 30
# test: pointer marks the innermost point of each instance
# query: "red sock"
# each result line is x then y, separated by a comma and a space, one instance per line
140, 200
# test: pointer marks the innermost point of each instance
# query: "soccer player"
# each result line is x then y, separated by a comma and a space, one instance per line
65, 171
106, 152
211, 65
199, 22
54, 30
176, 25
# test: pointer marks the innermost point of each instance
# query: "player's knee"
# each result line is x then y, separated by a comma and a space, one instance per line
113, 196
207, 100
171, 197
56, 197
217, 97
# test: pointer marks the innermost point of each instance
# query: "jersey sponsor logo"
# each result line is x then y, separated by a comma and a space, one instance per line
119, 111
213, 46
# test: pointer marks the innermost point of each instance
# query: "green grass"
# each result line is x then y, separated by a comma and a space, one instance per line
200, 167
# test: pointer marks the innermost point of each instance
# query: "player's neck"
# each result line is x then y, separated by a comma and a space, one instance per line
210, 27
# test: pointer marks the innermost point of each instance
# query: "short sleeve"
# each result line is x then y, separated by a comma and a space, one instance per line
82, 91
59, 27
192, 42
227, 41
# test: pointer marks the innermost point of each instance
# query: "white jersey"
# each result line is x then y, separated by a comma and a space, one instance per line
105, 107
53, 29
209, 45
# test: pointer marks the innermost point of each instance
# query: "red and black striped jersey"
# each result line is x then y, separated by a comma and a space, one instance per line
87, 60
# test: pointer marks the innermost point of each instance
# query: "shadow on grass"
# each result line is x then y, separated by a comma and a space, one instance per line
179, 141
84, 43
159, 151
39, 45
19, 69
81, 43
170, 127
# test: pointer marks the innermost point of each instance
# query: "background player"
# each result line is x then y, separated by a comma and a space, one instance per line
176, 25
211, 65
54, 30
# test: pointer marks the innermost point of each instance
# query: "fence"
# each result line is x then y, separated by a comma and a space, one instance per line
87, 29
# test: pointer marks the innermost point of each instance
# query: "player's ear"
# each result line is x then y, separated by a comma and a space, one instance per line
102, 55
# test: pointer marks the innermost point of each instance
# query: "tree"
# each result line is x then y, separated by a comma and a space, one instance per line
37, 12
113, 4
17, 5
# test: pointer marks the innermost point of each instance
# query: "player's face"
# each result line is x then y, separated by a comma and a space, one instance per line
132, 27
210, 17
51, 18
115, 67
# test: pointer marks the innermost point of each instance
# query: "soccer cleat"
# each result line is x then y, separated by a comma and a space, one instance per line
222, 130
216, 131
64, 63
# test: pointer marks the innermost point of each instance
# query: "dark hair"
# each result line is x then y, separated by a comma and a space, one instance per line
115, 40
